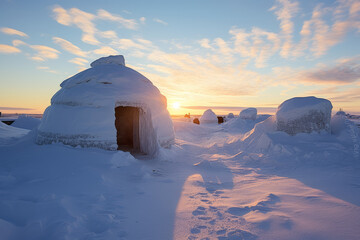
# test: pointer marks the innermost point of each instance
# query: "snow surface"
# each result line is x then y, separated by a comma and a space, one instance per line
304, 115
248, 113
82, 112
8, 134
208, 117
217, 182
26, 122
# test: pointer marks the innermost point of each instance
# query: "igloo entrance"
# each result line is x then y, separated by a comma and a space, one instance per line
127, 127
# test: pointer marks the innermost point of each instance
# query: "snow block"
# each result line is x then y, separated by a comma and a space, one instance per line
304, 115
209, 117
248, 113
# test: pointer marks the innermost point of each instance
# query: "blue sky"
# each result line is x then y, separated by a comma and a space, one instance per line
198, 53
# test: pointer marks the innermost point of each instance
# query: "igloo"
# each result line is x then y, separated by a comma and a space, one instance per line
304, 115
208, 117
109, 106
248, 113
230, 115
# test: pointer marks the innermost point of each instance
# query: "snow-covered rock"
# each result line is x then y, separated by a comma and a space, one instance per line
248, 113
208, 117
82, 112
26, 122
304, 115
230, 115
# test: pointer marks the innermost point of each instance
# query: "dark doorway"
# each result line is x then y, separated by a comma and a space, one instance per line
127, 126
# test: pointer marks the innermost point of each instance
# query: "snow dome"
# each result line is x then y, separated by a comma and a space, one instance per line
209, 117
108, 106
248, 113
230, 115
304, 115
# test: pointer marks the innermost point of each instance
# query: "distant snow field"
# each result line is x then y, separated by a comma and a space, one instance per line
237, 180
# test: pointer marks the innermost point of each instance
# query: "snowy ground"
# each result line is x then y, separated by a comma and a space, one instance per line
214, 183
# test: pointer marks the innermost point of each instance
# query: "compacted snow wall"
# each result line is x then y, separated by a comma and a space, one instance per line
304, 115
82, 112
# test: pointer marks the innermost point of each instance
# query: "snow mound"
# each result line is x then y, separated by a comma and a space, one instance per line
304, 115
248, 113
230, 115
342, 113
115, 60
9, 133
82, 112
26, 122
258, 140
208, 117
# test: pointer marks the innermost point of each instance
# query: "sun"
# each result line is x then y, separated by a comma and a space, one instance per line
176, 105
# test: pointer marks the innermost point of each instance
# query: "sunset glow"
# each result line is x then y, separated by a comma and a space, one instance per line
249, 55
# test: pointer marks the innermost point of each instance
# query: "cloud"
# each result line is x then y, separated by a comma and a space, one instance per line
285, 10
205, 43
142, 20
85, 22
125, 43
126, 23
160, 21
344, 72
258, 44
44, 53
15, 108
108, 34
17, 42
200, 77
11, 31
8, 49
69, 47
105, 51
80, 19
79, 61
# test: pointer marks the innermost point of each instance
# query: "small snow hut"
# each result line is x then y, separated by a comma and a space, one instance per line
208, 117
108, 106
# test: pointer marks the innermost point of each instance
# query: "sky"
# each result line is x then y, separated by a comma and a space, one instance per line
201, 54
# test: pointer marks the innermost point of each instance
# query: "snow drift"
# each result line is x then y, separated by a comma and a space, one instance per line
26, 122
304, 115
82, 112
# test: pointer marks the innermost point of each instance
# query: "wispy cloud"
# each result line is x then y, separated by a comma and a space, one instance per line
129, 43
46, 69
285, 10
11, 31
80, 19
346, 71
85, 22
127, 23
160, 21
15, 108
8, 49
79, 61
17, 42
106, 50
142, 20
44, 53
69, 47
